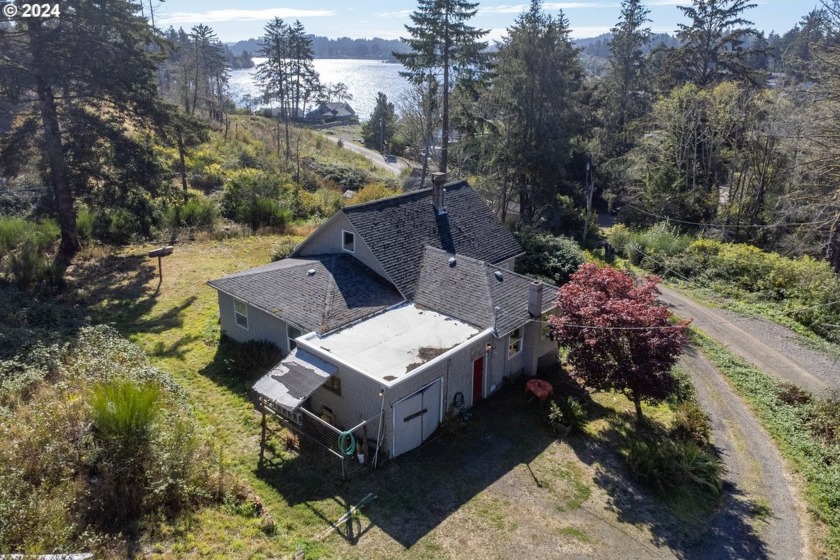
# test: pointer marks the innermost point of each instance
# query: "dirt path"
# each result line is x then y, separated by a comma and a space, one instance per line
774, 349
760, 513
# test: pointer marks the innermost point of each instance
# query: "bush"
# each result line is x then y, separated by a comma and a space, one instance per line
253, 197
373, 191
25, 248
805, 286
670, 467
691, 423
116, 227
103, 443
566, 411
84, 224
199, 212
283, 249
551, 258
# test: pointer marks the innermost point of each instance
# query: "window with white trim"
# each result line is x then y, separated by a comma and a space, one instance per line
348, 241
240, 312
515, 343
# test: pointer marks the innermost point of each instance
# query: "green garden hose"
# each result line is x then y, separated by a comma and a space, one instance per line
347, 443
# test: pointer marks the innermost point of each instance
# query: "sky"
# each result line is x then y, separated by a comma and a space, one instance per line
244, 19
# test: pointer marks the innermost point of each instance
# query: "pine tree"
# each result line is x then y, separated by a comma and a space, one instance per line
379, 129
713, 41
535, 109
85, 87
441, 42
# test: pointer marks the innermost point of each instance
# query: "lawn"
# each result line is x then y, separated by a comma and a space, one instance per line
500, 485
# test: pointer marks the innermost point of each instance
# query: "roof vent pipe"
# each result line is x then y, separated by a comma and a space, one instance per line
535, 293
438, 192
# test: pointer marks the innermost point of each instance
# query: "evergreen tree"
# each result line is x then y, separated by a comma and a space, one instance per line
534, 103
441, 42
628, 77
380, 128
713, 41
85, 88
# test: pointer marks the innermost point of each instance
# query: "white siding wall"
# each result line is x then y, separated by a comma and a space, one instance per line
261, 325
328, 240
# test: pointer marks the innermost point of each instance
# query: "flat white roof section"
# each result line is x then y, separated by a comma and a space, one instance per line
389, 346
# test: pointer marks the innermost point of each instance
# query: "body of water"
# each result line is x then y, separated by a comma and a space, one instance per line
364, 78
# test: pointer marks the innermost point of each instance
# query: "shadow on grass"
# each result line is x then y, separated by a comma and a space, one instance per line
682, 522
123, 289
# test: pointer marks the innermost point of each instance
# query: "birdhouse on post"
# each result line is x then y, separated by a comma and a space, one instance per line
160, 253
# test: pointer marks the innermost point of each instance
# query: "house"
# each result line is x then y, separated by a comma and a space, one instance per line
332, 112
401, 309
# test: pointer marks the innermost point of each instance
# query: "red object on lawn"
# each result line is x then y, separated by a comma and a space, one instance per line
539, 387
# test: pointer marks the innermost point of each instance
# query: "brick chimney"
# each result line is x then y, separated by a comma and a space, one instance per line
438, 192
535, 295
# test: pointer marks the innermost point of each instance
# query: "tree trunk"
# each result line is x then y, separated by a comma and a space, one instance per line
444, 140
833, 253
54, 151
182, 163
637, 402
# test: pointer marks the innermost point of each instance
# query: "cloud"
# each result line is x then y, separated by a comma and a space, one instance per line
215, 16
548, 6
401, 14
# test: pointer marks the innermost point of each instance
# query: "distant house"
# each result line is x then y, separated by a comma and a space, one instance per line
332, 112
402, 309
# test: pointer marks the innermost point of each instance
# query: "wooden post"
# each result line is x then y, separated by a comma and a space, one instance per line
262, 436
160, 269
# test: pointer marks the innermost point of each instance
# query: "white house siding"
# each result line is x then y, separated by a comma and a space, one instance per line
360, 399
329, 240
261, 325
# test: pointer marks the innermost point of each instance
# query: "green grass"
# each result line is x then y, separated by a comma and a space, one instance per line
574, 533
788, 425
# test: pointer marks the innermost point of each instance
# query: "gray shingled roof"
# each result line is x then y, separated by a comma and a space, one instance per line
470, 290
341, 290
396, 229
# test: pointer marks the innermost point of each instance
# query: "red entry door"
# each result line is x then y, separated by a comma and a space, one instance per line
478, 379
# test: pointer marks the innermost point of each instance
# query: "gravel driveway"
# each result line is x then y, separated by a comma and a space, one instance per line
772, 347
756, 476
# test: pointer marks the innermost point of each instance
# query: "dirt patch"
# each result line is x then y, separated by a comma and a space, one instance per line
426, 354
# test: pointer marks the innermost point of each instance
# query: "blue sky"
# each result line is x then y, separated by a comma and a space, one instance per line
234, 21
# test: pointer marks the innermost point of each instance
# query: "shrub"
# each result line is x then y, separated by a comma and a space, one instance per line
566, 411
123, 411
691, 423
84, 224
283, 249
199, 212
824, 421
373, 191
252, 197
12, 231
553, 258
116, 227
669, 467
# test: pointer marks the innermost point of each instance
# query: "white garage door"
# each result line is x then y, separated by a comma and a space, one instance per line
416, 417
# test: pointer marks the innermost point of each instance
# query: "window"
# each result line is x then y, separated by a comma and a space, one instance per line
333, 384
240, 311
348, 241
292, 333
515, 342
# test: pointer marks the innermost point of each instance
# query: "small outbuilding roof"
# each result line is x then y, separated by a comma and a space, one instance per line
398, 228
293, 380
318, 293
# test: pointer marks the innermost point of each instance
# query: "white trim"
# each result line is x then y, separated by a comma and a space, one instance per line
237, 314
394, 411
343, 248
521, 337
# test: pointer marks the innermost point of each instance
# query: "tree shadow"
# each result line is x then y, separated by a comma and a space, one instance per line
420, 489
122, 290
724, 532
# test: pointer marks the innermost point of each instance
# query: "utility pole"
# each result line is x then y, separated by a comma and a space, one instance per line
590, 188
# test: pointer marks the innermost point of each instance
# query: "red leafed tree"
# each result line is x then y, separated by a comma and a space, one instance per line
618, 337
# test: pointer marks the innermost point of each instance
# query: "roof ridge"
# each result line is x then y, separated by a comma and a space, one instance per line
453, 184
